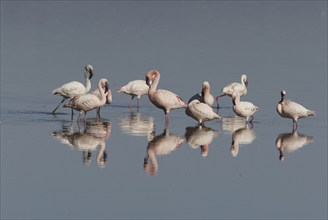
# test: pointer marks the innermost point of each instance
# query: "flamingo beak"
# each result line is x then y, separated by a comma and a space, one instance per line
148, 82
91, 73
246, 83
106, 87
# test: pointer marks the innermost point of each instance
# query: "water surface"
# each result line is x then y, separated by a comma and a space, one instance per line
224, 170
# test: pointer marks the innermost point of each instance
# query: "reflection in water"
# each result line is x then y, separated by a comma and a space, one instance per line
87, 139
137, 124
290, 142
162, 144
231, 124
200, 136
243, 135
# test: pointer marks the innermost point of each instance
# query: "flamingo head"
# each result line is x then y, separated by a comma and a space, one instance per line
244, 79
89, 69
282, 94
205, 86
104, 84
150, 77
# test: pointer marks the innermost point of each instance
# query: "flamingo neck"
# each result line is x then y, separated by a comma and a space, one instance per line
152, 168
206, 92
87, 85
155, 82
282, 98
236, 100
243, 81
102, 93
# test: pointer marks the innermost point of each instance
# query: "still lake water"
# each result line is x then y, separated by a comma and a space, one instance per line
279, 44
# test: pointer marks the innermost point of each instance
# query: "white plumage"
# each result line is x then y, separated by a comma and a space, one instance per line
74, 88
135, 88
109, 97
205, 95
201, 112
88, 102
243, 109
241, 88
292, 110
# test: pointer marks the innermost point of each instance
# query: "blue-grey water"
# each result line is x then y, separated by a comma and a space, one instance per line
53, 169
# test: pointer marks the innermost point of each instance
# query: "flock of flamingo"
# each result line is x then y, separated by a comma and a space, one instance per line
199, 106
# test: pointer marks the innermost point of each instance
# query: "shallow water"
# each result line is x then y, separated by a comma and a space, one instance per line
115, 168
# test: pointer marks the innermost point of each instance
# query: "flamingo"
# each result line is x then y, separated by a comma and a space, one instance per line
201, 112
243, 109
135, 88
229, 89
205, 95
292, 110
290, 142
88, 102
162, 99
74, 88
109, 98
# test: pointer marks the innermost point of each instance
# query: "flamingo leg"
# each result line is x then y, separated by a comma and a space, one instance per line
166, 120
295, 125
78, 118
72, 113
130, 106
217, 101
98, 113
53, 112
252, 118
138, 103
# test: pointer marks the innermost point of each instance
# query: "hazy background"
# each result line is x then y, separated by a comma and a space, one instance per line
279, 44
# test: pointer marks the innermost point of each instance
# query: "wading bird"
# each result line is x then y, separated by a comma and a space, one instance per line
74, 88
292, 110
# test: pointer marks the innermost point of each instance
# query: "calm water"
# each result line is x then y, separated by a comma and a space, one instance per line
225, 170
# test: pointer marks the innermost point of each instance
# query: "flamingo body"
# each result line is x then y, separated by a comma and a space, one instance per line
88, 102
135, 88
162, 99
292, 110
201, 112
243, 109
74, 88
241, 88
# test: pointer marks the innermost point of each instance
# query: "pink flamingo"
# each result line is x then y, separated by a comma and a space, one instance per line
135, 88
109, 98
292, 110
162, 99
205, 96
74, 88
88, 102
232, 87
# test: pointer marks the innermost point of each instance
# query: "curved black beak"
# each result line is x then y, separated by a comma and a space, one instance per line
148, 82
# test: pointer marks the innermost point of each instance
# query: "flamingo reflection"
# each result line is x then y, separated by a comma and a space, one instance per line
162, 144
231, 124
200, 136
137, 124
290, 142
87, 140
243, 135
